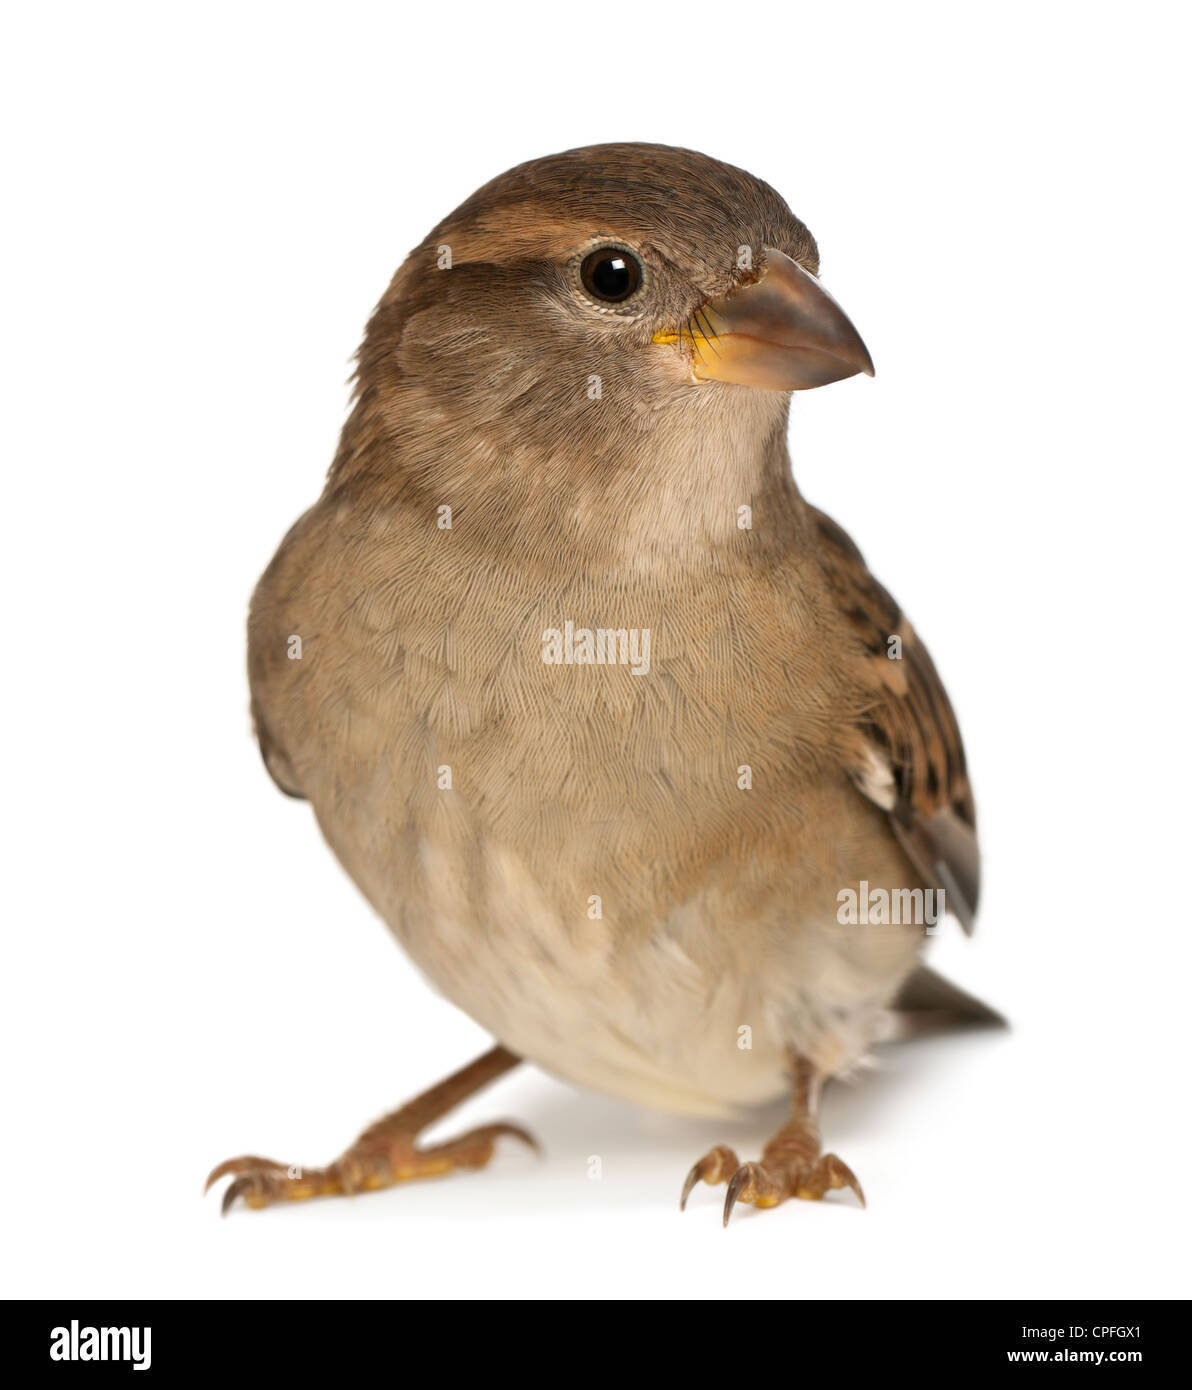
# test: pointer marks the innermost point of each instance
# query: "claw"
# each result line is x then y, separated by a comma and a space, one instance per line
841, 1175
716, 1165
242, 1186
691, 1180
736, 1185
239, 1165
516, 1132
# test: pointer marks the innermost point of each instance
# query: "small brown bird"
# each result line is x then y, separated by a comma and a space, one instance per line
615, 731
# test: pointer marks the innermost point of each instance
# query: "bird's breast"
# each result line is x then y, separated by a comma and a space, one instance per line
600, 818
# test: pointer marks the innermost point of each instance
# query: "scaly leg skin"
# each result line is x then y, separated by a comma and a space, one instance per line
386, 1153
792, 1164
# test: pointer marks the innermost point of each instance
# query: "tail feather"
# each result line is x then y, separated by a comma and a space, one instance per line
927, 1004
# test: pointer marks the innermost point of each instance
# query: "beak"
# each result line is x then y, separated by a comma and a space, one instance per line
784, 332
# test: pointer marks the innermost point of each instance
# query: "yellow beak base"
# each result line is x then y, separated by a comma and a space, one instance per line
784, 332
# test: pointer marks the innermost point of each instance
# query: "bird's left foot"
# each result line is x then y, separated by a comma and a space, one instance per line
792, 1163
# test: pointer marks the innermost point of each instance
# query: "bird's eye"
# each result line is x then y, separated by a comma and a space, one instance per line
611, 274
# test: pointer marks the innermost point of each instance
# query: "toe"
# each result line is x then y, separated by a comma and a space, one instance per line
252, 1187
247, 1164
841, 1175
717, 1165
751, 1183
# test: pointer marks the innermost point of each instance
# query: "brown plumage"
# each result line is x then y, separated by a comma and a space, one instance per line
615, 872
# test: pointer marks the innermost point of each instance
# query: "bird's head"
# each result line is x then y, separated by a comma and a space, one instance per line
582, 302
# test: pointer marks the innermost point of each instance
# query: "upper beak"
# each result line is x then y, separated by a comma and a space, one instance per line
784, 332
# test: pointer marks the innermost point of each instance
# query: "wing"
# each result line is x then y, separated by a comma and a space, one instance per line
273, 756
268, 655
908, 758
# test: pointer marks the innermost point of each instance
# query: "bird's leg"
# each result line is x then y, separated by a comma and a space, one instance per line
792, 1164
387, 1152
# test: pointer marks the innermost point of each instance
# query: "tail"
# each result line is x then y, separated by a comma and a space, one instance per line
928, 1004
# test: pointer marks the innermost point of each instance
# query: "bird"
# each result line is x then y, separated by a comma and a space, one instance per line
603, 718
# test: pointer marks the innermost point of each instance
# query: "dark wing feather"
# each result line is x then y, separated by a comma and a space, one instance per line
909, 758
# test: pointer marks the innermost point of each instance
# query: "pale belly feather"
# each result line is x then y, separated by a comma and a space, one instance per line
695, 1014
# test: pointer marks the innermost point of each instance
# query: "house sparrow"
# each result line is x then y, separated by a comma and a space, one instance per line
602, 717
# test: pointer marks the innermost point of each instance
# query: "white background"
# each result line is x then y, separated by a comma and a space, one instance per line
203, 204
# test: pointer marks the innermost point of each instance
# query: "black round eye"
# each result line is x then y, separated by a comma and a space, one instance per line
611, 274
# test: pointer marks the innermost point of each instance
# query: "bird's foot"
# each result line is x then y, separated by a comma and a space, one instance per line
791, 1166
377, 1159
385, 1154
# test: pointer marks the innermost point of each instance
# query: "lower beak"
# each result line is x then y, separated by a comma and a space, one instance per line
784, 332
